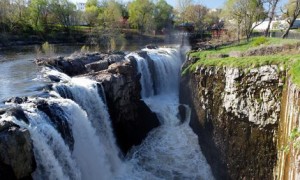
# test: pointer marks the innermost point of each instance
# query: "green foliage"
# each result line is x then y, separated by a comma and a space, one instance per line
48, 49
293, 141
162, 14
242, 14
260, 40
212, 57
91, 12
84, 49
63, 11
141, 15
39, 14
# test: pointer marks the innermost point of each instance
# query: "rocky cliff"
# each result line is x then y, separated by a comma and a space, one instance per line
131, 117
288, 164
236, 113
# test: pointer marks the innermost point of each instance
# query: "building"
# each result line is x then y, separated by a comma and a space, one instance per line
80, 6
276, 25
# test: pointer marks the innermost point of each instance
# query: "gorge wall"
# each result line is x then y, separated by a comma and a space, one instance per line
243, 118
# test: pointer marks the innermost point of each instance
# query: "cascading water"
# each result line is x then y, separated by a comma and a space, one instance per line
171, 151
78, 143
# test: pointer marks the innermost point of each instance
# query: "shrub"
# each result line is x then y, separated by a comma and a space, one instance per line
260, 40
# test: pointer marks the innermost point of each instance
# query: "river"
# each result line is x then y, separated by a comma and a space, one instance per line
20, 76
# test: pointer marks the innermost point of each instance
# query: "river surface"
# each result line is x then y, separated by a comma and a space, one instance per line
20, 76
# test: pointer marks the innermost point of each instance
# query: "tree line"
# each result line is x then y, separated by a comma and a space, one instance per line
108, 17
245, 15
145, 15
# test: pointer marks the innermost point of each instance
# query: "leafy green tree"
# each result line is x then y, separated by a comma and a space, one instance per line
245, 13
92, 11
63, 11
17, 16
162, 14
4, 13
38, 14
110, 24
292, 11
141, 15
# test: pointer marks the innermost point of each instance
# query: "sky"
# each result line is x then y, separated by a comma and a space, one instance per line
208, 3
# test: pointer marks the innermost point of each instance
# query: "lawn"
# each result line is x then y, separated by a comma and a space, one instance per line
220, 57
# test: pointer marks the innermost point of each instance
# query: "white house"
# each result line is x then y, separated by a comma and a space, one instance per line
276, 25
80, 6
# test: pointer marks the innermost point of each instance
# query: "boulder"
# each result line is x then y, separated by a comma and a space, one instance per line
16, 152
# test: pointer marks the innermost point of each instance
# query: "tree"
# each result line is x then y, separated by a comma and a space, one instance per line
196, 14
162, 14
92, 11
292, 11
181, 7
63, 10
4, 11
247, 14
272, 4
110, 24
141, 15
38, 13
17, 15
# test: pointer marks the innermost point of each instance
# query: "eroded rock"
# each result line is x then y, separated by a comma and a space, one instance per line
16, 155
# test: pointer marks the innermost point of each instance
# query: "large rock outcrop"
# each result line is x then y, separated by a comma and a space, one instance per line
81, 63
236, 113
131, 117
16, 154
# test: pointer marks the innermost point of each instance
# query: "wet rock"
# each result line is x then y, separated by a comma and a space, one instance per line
151, 46
54, 78
54, 112
18, 113
81, 63
114, 58
97, 66
16, 155
17, 100
131, 118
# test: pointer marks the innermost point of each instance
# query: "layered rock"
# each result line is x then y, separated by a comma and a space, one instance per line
16, 154
236, 114
81, 63
288, 164
131, 117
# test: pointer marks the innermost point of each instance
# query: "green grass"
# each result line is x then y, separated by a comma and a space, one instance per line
244, 46
211, 58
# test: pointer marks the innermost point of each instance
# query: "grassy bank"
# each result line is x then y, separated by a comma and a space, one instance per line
257, 52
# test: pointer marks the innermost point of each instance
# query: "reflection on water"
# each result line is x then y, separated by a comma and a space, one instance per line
19, 76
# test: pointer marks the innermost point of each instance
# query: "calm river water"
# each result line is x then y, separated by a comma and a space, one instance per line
19, 75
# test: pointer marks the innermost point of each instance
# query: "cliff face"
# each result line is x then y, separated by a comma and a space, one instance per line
131, 117
288, 165
236, 114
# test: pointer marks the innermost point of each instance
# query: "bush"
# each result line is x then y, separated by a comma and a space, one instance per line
260, 40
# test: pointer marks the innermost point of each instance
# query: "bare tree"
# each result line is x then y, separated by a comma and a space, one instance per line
292, 11
247, 14
272, 4
182, 5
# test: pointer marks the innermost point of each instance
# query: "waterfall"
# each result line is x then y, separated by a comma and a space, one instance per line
170, 151
80, 103
73, 139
